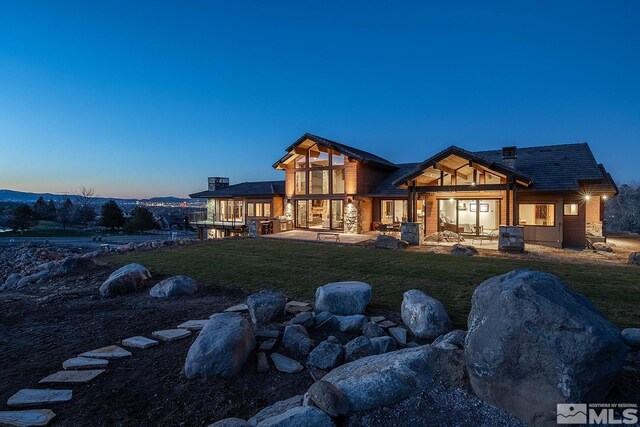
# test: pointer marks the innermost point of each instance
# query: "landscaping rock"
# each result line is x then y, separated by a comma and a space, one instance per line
390, 242
139, 342
72, 264
316, 374
84, 363
263, 363
377, 319
351, 324
266, 333
124, 280
533, 342
444, 236
297, 342
464, 250
329, 398
372, 330
357, 348
602, 247
193, 325
326, 321
285, 364
634, 258
169, 335
387, 324
383, 344
265, 306
388, 378
400, 335
11, 282
631, 337
295, 307
343, 298
174, 286
424, 316
326, 356
275, 409
230, 422
454, 338
268, 344
72, 376
299, 417
32, 278
237, 307
108, 352
31, 417
304, 318
222, 347
26, 397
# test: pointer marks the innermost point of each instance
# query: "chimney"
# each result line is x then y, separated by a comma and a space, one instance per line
509, 155
217, 182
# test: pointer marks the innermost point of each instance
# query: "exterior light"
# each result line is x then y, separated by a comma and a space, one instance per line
587, 197
604, 197
451, 199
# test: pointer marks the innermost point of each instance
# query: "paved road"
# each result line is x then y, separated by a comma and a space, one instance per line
87, 242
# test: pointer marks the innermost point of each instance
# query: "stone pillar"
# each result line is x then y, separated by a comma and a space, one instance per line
288, 210
252, 228
412, 232
352, 219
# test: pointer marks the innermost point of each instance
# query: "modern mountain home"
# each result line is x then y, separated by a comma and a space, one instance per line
555, 193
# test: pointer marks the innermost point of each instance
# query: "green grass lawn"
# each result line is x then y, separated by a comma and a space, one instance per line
297, 268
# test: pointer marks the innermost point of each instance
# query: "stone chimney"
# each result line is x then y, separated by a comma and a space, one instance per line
509, 155
217, 182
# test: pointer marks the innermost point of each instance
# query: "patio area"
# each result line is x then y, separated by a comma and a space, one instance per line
325, 237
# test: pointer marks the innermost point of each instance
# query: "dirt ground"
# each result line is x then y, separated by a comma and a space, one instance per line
43, 326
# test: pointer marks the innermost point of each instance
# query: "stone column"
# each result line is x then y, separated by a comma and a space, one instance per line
412, 232
252, 228
352, 218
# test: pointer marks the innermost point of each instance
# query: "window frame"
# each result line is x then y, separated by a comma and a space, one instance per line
555, 219
308, 169
564, 209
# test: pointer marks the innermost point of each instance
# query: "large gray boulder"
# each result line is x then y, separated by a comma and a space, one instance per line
533, 342
372, 330
174, 286
327, 355
222, 347
463, 250
301, 416
424, 316
357, 348
343, 298
276, 409
634, 258
297, 342
454, 339
631, 337
388, 378
329, 398
351, 324
390, 242
265, 306
124, 280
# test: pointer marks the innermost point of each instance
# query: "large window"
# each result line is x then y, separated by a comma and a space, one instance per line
301, 182
228, 211
319, 181
393, 211
320, 171
338, 181
537, 214
259, 209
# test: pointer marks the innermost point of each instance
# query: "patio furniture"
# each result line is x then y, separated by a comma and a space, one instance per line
328, 234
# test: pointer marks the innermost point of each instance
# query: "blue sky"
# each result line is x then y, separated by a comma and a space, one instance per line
149, 98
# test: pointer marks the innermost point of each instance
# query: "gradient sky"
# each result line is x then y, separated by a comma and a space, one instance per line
149, 98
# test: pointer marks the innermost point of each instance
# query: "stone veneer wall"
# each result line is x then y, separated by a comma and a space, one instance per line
288, 211
252, 228
412, 232
352, 219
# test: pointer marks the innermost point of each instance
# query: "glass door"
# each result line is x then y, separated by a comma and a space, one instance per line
336, 215
301, 214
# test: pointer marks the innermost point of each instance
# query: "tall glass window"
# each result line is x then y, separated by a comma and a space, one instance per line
319, 181
338, 181
337, 214
301, 213
301, 182
393, 211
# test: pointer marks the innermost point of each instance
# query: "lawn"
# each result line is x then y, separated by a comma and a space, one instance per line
297, 268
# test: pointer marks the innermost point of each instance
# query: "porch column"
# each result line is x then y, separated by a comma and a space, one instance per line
508, 219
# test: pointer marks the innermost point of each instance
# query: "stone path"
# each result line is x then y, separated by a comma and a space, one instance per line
193, 325
169, 335
29, 396
139, 342
79, 376
84, 363
109, 352
31, 417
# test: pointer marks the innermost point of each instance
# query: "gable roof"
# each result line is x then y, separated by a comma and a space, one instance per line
352, 152
460, 152
386, 187
245, 189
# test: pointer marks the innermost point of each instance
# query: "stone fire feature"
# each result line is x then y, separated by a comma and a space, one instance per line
412, 232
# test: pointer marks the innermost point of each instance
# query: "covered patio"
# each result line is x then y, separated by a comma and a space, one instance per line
324, 237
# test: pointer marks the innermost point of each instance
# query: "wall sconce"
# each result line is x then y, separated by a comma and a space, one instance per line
604, 197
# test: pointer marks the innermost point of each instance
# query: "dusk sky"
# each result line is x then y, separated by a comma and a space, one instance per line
140, 99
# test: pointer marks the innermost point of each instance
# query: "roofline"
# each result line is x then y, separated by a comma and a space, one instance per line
274, 192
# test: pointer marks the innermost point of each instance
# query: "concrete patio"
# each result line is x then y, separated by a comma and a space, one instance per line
312, 235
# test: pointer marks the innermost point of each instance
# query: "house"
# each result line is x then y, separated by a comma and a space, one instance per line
556, 193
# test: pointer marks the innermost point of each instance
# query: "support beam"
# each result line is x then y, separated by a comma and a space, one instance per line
451, 188
450, 171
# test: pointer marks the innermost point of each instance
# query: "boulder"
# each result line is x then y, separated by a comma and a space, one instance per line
400, 335
631, 337
304, 318
230, 422
275, 409
383, 344
32, 278
424, 316
124, 280
357, 348
454, 338
464, 250
326, 356
388, 378
602, 247
326, 321
285, 364
533, 342
265, 306
351, 324
390, 242
297, 342
299, 417
174, 286
329, 398
73, 264
634, 258
372, 330
11, 282
222, 347
444, 236
343, 298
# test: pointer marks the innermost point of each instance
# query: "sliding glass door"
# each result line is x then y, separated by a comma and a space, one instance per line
472, 217
320, 214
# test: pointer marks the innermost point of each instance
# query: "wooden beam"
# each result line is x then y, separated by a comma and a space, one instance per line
449, 188
447, 169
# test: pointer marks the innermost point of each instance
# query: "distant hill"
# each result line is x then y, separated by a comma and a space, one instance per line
26, 197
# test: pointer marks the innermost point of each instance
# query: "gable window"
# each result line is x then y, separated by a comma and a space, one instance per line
571, 209
324, 173
537, 214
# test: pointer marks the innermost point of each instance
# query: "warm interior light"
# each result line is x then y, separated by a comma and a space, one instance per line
451, 200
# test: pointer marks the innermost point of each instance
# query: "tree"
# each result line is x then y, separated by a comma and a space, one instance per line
65, 213
623, 211
112, 216
22, 218
84, 209
52, 212
141, 219
40, 209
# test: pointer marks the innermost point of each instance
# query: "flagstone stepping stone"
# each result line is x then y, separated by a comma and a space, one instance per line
268, 344
237, 307
263, 363
400, 334
378, 319
387, 324
28, 396
84, 363
72, 376
193, 325
171, 334
267, 333
31, 417
285, 364
108, 352
139, 342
